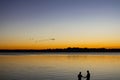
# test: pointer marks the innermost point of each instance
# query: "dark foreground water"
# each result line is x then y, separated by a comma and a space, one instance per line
59, 67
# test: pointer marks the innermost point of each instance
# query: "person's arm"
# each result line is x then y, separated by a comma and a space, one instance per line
85, 76
82, 76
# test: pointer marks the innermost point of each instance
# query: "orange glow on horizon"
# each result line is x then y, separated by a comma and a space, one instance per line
47, 45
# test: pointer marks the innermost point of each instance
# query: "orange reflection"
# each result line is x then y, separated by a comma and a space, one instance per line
83, 62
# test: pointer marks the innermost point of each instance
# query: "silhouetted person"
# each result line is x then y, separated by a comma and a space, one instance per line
80, 76
88, 75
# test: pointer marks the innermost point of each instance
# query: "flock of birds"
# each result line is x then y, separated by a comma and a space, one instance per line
42, 39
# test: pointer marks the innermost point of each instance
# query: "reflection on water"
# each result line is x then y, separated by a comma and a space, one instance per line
59, 67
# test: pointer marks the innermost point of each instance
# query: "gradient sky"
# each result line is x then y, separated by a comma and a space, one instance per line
29, 24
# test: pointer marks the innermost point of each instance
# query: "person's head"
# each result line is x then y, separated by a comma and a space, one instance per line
79, 72
87, 71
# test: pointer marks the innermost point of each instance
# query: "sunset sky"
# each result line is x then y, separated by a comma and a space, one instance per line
31, 24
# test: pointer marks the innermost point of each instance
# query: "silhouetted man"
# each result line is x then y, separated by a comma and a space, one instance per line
88, 75
80, 76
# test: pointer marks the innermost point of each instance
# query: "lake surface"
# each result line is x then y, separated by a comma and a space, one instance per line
59, 66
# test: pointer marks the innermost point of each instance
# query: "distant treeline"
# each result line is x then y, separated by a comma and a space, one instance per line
66, 50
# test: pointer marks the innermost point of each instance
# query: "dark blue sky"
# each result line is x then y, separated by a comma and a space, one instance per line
18, 9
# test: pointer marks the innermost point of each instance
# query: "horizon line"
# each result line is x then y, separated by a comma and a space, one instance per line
62, 48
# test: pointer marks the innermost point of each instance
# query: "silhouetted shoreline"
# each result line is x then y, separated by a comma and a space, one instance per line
64, 50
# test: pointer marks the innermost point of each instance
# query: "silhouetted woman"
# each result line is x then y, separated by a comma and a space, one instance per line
80, 76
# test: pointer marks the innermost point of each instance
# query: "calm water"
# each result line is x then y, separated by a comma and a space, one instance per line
59, 67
